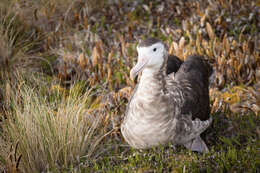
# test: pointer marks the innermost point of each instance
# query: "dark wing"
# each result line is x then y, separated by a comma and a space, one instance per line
195, 71
173, 64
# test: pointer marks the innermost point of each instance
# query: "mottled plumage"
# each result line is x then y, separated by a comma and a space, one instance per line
164, 107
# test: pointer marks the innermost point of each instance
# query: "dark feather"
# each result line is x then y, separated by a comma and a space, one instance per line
173, 64
196, 71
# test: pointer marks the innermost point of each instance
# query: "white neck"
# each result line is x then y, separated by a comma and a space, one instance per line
148, 73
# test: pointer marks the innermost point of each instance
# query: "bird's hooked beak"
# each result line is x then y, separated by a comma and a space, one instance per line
142, 61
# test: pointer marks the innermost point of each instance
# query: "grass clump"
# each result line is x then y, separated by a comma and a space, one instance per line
17, 42
53, 127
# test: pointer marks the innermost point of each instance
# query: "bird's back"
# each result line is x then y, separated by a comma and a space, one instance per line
193, 77
173, 64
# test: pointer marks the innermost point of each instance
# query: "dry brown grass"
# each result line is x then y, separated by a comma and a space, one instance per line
53, 128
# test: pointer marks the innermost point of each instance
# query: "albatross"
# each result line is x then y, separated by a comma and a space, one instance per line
170, 104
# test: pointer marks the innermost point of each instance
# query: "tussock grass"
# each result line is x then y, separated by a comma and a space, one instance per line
18, 43
9, 36
53, 127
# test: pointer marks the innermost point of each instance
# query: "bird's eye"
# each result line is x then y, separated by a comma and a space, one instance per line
154, 49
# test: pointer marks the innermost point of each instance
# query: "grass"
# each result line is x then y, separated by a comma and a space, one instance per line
52, 128
64, 83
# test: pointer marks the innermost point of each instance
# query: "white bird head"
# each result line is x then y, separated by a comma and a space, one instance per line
151, 55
